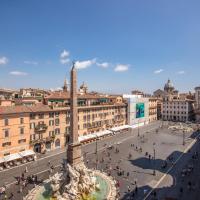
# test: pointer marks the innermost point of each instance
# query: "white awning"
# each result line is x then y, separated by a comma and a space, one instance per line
2, 160
102, 133
26, 153
94, 135
11, 157
120, 128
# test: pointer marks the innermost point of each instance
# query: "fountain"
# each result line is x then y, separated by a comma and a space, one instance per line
76, 182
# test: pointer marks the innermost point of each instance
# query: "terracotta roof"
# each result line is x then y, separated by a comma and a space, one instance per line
24, 109
58, 95
66, 95
13, 109
40, 108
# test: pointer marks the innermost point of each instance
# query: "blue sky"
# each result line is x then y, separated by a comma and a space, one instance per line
119, 45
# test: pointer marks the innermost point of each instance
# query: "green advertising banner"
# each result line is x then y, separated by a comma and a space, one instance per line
139, 110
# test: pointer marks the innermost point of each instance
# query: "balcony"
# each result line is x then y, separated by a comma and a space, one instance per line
120, 120
42, 140
94, 127
41, 127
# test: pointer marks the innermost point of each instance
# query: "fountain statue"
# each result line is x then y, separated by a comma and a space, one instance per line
77, 181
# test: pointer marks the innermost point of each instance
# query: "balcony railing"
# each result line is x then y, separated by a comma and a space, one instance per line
94, 127
41, 127
42, 140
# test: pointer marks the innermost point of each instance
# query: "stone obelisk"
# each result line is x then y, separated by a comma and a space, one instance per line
74, 147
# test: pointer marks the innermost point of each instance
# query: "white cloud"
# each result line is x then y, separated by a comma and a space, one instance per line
121, 68
64, 61
64, 54
104, 64
3, 60
181, 72
64, 57
84, 64
158, 71
18, 73
28, 62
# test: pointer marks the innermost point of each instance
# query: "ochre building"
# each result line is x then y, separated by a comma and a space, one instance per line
45, 126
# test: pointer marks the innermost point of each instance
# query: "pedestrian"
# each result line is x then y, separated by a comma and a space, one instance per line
26, 169
136, 189
5, 196
135, 182
127, 173
49, 163
133, 194
11, 195
24, 184
149, 157
18, 180
129, 189
189, 185
181, 190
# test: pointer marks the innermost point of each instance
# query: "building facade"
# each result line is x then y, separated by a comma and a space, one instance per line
153, 109
197, 104
178, 110
137, 110
46, 127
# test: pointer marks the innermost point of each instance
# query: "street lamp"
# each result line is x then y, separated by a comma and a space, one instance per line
96, 152
154, 159
183, 137
138, 129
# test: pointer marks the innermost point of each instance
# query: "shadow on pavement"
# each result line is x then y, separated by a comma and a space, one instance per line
167, 193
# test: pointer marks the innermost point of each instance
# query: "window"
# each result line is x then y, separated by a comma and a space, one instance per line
51, 122
32, 116
41, 116
6, 122
57, 121
21, 120
6, 144
57, 114
67, 130
67, 120
84, 118
51, 115
21, 141
32, 125
57, 131
21, 131
32, 137
51, 133
88, 117
6, 133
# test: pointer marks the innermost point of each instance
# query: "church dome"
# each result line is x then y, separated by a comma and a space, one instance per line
168, 86
83, 85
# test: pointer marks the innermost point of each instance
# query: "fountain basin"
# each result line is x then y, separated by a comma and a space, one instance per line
44, 193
